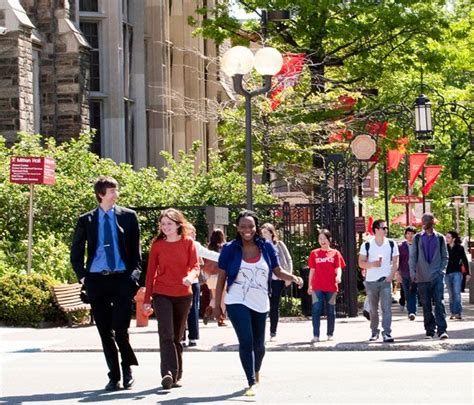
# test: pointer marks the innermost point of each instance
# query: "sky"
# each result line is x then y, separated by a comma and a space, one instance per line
239, 13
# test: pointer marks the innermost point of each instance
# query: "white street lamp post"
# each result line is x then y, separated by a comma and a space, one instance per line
237, 62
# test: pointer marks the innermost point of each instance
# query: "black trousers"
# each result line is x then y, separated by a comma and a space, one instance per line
171, 313
277, 288
111, 302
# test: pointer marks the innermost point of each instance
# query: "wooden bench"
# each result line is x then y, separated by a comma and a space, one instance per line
68, 299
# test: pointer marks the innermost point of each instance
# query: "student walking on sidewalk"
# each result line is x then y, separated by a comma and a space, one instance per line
106, 257
454, 273
379, 256
247, 264
409, 288
325, 271
428, 262
172, 267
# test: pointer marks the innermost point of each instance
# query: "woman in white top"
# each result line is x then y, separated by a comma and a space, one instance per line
246, 263
286, 263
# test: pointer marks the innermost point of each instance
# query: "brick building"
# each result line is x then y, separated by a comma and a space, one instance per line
130, 69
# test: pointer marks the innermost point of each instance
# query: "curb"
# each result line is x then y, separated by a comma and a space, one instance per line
341, 347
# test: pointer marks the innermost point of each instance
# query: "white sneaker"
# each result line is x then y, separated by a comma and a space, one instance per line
315, 339
330, 337
443, 336
411, 317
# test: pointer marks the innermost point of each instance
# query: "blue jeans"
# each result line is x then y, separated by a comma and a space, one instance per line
433, 291
410, 289
380, 292
321, 298
249, 325
453, 283
193, 316
277, 287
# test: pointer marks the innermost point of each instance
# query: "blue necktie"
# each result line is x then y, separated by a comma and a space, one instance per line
109, 243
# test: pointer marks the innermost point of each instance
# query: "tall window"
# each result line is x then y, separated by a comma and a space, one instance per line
129, 130
91, 33
95, 110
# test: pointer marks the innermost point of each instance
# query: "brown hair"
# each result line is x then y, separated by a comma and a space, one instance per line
217, 240
270, 228
327, 234
177, 217
102, 184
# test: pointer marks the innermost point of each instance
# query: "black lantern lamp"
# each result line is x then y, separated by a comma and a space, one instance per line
423, 122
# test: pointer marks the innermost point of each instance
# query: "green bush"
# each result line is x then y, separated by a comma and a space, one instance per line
27, 300
290, 306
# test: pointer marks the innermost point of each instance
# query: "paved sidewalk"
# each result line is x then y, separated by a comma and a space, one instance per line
294, 334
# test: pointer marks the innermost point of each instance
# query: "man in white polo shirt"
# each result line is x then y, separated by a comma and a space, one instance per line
379, 256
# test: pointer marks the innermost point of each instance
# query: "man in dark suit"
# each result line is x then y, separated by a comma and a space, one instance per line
110, 274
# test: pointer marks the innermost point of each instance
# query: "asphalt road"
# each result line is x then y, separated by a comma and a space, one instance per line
439, 377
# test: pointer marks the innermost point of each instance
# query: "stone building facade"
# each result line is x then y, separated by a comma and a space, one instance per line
130, 69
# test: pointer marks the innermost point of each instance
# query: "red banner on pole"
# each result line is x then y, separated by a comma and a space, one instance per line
417, 161
394, 157
287, 76
370, 222
431, 175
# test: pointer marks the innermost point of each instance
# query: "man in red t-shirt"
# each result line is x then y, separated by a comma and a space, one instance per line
325, 266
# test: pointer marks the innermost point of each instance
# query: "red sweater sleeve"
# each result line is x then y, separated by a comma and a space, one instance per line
151, 272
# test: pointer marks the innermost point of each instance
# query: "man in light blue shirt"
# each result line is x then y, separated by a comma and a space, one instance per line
110, 275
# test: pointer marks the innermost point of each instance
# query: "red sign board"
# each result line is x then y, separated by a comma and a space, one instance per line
32, 170
406, 199
360, 224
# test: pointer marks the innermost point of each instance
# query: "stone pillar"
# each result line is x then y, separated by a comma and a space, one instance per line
16, 72
158, 81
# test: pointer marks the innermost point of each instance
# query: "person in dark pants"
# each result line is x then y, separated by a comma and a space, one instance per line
454, 273
286, 263
408, 287
172, 267
193, 316
111, 236
247, 264
428, 262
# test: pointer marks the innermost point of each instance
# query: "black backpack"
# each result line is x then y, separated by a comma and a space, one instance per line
390, 242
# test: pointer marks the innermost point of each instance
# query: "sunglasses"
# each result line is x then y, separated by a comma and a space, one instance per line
383, 227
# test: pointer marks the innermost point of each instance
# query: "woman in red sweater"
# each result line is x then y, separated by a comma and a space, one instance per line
172, 266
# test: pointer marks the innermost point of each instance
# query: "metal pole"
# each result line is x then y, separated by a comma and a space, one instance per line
457, 203
237, 81
385, 190
30, 231
465, 189
407, 191
423, 183
248, 149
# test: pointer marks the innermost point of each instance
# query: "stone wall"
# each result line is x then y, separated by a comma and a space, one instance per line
16, 84
63, 74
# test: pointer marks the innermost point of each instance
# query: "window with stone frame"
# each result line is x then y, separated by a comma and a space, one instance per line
91, 33
88, 5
